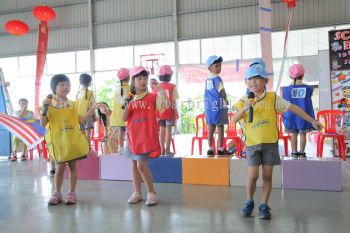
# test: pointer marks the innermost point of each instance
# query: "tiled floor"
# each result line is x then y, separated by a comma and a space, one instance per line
25, 188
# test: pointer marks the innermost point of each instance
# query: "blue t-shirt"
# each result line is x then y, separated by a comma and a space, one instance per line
299, 95
214, 104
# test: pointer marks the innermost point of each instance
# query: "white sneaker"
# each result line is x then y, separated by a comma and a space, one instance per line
151, 199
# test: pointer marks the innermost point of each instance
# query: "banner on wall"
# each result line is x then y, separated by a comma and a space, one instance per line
230, 72
339, 58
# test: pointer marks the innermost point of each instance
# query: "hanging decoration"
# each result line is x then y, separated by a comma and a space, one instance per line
290, 4
44, 14
16, 27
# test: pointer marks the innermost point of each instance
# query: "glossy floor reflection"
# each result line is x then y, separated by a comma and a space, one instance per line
25, 188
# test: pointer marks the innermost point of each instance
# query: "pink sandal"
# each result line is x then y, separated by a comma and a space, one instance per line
55, 199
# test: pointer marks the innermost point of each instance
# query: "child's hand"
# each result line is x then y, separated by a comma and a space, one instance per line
317, 125
247, 104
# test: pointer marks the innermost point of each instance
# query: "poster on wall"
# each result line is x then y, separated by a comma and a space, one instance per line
339, 54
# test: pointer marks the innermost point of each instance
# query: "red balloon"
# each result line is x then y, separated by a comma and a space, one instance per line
291, 3
16, 27
44, 13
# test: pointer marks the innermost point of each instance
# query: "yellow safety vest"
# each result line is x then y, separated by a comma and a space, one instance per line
116, 117
263, 129
65, 141
83, 100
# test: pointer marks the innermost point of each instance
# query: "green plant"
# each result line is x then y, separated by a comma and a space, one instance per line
105, 92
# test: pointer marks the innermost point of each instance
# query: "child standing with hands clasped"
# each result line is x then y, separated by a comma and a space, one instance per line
140, 113
261, 135
298, 93
215, 105
66, 143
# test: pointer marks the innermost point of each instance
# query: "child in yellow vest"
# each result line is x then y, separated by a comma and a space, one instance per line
65, 141
261, 135
85, 99
116, 123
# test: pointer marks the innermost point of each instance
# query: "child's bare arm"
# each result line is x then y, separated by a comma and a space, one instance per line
82, 119
300, 112
223, 95
43, 120
238, 115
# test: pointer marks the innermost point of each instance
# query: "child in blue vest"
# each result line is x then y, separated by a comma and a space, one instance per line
261, 135
215, 105
298, 93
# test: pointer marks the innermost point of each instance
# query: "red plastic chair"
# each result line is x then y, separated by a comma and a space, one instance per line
281, 134
97, 139
232, 134
201, 133
332, 119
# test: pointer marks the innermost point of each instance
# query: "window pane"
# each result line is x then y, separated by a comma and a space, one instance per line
251, 46
9, 67
83, 61
294, 44
27, 66
345, 26
277, 44
189, 52
22, 88
227, 47
323, 38
161, 48
114, 58
58, 63
310, 42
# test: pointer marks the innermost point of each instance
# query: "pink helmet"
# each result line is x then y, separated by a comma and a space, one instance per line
123, 73
296, 71
165, 70
136, 70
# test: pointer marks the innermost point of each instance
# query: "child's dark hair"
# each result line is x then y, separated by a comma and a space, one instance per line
102, 116
85, 79
132, 83
58, 78
165, 78
21, 100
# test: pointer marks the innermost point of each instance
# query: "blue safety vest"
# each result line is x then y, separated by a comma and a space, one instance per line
299, 95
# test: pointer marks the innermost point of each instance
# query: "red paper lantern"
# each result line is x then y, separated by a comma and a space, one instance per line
291, 3
44, 13
16, 27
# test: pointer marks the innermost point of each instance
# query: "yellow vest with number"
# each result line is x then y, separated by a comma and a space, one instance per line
263, 129
65, 141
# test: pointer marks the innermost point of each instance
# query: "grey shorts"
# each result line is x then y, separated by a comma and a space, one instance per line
166, 123
265, 154
297, 130
134, 157
89, 123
